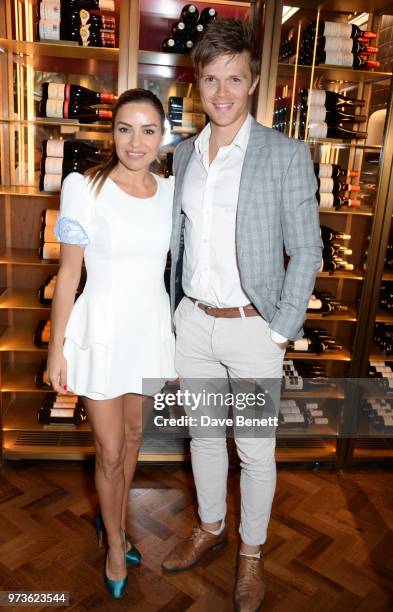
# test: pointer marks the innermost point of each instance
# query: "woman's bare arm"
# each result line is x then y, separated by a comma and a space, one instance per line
71, 258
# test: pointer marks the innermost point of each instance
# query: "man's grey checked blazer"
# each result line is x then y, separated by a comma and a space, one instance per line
276, 207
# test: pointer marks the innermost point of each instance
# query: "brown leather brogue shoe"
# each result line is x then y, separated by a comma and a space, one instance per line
250, 584
188, 552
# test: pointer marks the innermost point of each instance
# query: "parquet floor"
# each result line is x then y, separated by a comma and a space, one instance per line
330, 544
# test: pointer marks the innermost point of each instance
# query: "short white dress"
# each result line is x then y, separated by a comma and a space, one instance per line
118, 338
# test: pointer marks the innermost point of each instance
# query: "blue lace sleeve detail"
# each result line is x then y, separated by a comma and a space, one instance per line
71, 232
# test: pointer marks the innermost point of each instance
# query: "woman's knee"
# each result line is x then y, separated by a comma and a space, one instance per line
133, 436
109, 460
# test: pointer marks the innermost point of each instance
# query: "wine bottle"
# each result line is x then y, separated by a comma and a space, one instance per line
180, 31
335, 28
332, 249
335, 200
168, 171
190, 14
42, 334
76, 5
317, 114
70, 149
53, 11
170, 45
330, 99
333, 171
328, 234
49, 216
207, 15
331, 265
339, 43
335, 185
64, 166
71, 109
41, 377
45, 292
51, 182
196, 32
323, 130
49, 251
76, 93
342, 58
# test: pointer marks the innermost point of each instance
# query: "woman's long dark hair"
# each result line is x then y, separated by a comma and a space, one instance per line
98, 174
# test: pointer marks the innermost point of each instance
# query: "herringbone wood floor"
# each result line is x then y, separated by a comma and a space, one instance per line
330, 544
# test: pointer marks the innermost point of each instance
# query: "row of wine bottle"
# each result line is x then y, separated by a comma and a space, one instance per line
382, 371
61, 157
320, 113
58, 21
383, 337
379, 413
185, 113
386, 296
303, 375
67, 101
338, 45
315, 340
388, 262
59, 409
186, 31
292, 413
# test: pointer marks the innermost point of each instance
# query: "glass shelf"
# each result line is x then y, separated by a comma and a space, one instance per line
59, 49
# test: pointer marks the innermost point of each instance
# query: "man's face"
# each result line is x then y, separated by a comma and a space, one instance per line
225, 85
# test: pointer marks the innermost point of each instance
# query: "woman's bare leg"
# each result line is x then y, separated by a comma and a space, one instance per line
106, 418
132, 408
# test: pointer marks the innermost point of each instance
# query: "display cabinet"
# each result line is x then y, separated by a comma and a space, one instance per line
315, 48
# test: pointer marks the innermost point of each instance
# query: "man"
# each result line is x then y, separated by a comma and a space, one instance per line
242, 192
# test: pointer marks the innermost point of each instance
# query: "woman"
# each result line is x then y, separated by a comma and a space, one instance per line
118, 340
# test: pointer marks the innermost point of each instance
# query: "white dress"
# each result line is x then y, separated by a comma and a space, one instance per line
118, 338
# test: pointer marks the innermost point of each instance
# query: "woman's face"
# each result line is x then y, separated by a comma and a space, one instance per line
137, 135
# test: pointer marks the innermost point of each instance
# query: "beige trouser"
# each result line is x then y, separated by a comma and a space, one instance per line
216, 355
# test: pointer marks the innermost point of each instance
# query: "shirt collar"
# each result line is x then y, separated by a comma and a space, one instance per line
241, 139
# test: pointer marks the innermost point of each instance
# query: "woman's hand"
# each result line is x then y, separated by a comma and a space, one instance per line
57, 369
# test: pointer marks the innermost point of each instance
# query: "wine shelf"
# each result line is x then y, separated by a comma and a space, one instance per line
343, 274
336, 355
360, 210
59, 49
27, 191
47, 121
26, 299
294, 450
388, 276
20, 379
350, 316
25, 257
383, 316
372, 449
334, 73
19, 338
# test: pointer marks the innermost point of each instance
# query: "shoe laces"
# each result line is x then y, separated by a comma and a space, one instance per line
252, 565
196, 532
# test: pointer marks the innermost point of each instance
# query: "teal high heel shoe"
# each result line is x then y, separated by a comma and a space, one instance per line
116, 588
133, 556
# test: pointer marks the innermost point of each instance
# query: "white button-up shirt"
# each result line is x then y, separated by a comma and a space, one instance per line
210, 196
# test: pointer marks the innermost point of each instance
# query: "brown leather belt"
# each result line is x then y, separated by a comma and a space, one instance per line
227, 313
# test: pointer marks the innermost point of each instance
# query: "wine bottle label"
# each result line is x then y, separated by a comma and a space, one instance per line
318, 130
55, 148
321, 421
316, 97
105, 114
316, 113
383, 411
52, 182
54, 108
50, 216
106, 5
383, 368
312, 406
338, 43
326, 185
335, 28
48, 292
387, 374
51, 250
316, 413
54, 165
301, 344
314, 304
325, 170
288, 402
339, 58
50, 10
387, 420
49, 234
293, 418
49, 29
62, 412
326, 200
289, 410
